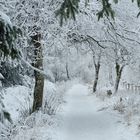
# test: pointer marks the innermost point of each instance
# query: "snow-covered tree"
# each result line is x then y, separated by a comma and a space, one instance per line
8, 36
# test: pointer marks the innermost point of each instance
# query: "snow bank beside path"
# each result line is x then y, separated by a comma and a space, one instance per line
17, 99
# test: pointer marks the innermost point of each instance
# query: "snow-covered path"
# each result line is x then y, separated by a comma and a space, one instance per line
83, 121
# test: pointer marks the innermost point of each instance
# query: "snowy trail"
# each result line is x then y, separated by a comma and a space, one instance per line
83, 121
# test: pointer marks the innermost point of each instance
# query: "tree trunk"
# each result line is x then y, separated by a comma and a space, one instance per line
97, 69
119, 70
111, 77
39, 78
67, 70
117, 82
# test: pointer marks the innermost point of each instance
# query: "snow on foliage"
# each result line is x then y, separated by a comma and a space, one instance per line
5, 19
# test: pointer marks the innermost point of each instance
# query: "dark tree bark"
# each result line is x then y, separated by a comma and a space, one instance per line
67, 71
119, 70
39, 78
97, 70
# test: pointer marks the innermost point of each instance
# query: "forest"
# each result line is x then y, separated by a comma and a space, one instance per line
69, 69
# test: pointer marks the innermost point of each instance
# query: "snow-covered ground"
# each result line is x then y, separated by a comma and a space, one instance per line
16, 99
79, 116
84, 118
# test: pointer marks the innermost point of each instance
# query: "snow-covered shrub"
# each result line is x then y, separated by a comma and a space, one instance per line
132, 110
120, 106
130, 101
37, 126
53, 96
26, 110
49, 95
127, 103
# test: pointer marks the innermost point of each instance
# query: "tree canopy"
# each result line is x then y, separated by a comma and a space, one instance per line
69, 9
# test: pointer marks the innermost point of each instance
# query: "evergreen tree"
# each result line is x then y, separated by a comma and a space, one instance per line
69, 9
8, 35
